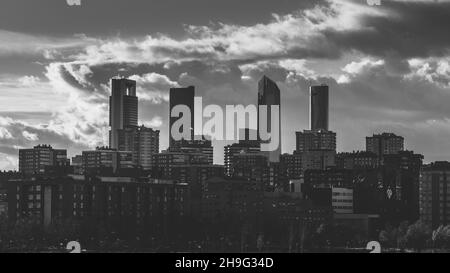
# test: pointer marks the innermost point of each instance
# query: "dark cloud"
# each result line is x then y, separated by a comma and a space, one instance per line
412, 29
138, 17
270, 69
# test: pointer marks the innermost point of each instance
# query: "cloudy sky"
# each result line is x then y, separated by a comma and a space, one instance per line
387, 66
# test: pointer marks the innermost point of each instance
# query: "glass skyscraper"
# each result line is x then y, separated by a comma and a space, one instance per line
319, 107
269, 95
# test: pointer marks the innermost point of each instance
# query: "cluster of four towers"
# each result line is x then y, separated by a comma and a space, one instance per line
126, 135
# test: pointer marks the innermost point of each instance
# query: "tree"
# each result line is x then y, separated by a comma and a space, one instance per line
388, 237
441, 237
401, 234
417, 235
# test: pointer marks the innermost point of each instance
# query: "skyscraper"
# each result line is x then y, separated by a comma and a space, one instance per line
269, 95
318, 107
123, 108
181, 96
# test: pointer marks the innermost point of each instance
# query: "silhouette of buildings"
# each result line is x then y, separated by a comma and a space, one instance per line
107, 160
401, 182
244, 146
3, 199
435, 194
291, 165
143, 142
168, 159
384, 144
250, 166
36, 160
357, 160
317, 147
319, 184
196, 146
310, 140
121, 202
77, 164
222, 198
132, 183
125, 135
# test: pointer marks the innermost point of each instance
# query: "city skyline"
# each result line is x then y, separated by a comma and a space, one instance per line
125, 132
56, 91
141, 143
200, 127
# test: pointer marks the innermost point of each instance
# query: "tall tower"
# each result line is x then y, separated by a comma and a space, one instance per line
123, 108
318, 107
269, 95
181, 96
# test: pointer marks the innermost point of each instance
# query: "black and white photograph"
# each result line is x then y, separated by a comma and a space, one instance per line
242, 128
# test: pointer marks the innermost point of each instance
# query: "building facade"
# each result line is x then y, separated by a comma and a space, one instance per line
231, 151
319, 107
143, 142
181, 96
195, 146
401, 173
291, 165
342, 200
166, 161
315, 140
107, 160
121, 202
36, 160
269, 95
357, 160
435, 194
123, 108
384, 144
